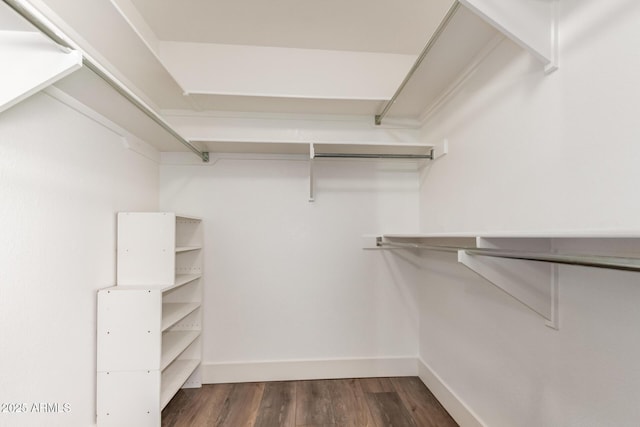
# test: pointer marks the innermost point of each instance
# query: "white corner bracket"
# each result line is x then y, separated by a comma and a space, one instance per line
534, 284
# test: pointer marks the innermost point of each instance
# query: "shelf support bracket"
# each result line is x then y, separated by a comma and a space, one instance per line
312, 155
533, 284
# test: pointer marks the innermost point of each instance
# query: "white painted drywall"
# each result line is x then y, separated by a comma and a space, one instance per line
531, 152
287, 280
284, 72
62, 179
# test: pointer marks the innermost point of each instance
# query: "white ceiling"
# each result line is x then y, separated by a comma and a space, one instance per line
390, 26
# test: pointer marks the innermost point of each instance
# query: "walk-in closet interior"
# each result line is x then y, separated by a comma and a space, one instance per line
208, 194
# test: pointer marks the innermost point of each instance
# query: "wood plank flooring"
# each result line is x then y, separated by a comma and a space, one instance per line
370, 402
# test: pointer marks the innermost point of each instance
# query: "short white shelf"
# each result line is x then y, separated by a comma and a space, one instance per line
181, 249
173, 312
174, 343
187, 218
181, 279
174, 377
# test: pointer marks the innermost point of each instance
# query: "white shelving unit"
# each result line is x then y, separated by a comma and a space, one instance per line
149, 324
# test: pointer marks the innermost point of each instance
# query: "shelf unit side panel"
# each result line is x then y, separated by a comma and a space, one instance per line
130, 398
129, 333
146, 248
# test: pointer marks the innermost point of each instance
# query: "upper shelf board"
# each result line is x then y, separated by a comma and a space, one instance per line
531, 24
303, 149
472, 33
31, 62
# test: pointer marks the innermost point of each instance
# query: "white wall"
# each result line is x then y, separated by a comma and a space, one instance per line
287, 280
62, 178
527, 153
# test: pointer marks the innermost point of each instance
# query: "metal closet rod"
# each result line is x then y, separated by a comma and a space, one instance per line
94, 66
374, 156
436, 35
615, 263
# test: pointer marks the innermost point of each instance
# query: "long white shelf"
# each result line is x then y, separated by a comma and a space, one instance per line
173, 312
174, 343
543, 234
174, 377
303, 148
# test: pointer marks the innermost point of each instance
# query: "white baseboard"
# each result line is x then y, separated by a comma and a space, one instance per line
215, 373
460, 412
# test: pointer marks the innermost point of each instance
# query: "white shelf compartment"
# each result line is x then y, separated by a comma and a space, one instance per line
174, 343
174, 377
181, 280
188, 232
173, 312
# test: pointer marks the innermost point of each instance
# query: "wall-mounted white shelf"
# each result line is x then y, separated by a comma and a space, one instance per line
524, 265
302, 149
471, 30
30, 63
149, 324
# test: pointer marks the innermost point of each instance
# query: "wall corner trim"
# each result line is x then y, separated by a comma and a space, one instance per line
456, 407
287, 370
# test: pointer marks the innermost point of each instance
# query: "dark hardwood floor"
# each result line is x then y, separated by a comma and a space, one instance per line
374, 402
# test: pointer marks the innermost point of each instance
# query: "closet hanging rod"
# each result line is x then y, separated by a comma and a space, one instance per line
54, 34
374, 156
615, 263
436, 35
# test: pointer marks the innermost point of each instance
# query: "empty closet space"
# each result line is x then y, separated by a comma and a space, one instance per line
341, 212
